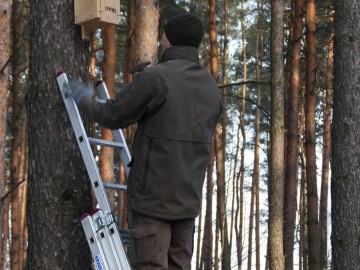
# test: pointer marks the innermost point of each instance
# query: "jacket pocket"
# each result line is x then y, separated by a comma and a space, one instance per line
143, 246
147, 164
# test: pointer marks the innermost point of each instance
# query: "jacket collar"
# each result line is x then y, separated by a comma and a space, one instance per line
181, 52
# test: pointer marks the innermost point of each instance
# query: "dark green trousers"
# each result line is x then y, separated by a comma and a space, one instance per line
160, 244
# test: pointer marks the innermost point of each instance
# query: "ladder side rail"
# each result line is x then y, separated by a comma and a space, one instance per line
117, 133
125, 159
106, 240
97, 252
84, 144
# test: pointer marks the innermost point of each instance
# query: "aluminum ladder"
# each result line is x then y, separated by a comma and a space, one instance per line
100, 226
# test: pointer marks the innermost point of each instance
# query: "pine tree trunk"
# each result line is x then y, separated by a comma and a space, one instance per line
290, 196
310, 139
258, 59
326, 151
276, 181
22, 193
15, 162
237, 220
58, 184
146, 30
130, 39
303, 246
345, 195
207, 243
108, 75
5, 14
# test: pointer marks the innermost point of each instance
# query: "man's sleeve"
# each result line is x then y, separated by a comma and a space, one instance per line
143, 95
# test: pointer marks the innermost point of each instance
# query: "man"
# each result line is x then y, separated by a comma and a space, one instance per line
176, 104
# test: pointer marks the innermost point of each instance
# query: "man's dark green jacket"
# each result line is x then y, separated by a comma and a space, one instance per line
176, 104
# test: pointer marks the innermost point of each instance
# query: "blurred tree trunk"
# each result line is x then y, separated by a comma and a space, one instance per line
242, 128
58, 184
258, 63
237, 220
207, 243
276, 181
130, 39
108, 75
129, 131
326, 148
214, 73
219, 151
345, 195
22, 193
146, 31
291, 179
16, 151
303, 247
199, 236
310, 138
5, 15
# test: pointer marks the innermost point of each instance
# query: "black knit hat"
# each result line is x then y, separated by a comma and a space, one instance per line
184, 29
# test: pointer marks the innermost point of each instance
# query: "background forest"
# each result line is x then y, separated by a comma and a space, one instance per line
266, 198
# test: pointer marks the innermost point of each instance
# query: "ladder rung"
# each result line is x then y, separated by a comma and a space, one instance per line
114, 186
105, 142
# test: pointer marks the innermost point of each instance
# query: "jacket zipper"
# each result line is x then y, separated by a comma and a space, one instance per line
147, 164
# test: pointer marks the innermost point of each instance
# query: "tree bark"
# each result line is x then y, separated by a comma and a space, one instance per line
291, 179
16, 152
326, 150
310, 138
108, 75
258, 59
207, 244
58, 186
276, 181
5, 15
146, 30
345, 195
130, 39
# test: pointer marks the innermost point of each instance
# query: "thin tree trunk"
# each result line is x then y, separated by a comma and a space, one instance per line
326, 151
5, 15
22, 193
146, 30
207, 244
130, 39
258, 59
108, 75
238, 221
276, 181
290, 198
303, 247
15, 161
129, 131
199, 236
218, 149
310, 139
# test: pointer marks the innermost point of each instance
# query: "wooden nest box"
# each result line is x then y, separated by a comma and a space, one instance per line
96, 14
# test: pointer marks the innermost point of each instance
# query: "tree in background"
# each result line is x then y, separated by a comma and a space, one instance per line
292, 160
276, 181
5, 12
108, 75
146, 31
325, 175
310, 138
58, 186
346, 137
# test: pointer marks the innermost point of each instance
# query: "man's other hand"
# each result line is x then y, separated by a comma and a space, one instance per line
81, 92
